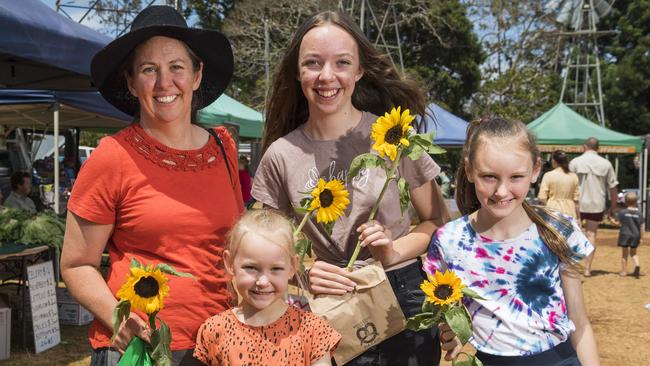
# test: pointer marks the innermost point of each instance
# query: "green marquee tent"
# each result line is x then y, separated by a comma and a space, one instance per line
227, 110
561, 128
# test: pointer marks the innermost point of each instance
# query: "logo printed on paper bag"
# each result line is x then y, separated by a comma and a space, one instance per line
366, 332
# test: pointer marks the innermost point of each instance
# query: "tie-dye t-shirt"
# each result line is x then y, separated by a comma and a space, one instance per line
524, 310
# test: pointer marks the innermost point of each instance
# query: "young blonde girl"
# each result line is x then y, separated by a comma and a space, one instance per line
263, 329
521, 259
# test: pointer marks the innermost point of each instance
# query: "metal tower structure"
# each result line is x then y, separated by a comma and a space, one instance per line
582, 85
378, 20
118, 17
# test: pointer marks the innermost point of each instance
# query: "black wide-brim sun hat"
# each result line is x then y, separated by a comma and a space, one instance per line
212, 47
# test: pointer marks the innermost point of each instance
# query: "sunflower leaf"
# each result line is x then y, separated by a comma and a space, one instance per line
404, 194
459, 321
136, 263
301, 210
303, 247
414, 151
121, 312
166, 268
367, 160
420, 322
471, 360
425, 140
306, 202
471, 293
160, 342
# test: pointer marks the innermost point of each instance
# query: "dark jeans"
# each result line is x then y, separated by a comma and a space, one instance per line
560, 355
109, 357
406, 348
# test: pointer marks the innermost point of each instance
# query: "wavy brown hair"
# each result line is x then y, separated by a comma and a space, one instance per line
552, 228
380, 88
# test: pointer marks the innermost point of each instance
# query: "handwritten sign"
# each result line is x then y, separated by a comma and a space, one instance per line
45, 315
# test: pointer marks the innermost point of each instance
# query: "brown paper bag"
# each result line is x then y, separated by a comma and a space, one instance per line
365, 317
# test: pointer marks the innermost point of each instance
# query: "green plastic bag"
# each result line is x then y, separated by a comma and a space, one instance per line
136, 354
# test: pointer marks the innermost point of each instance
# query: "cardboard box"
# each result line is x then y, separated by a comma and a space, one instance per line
5, 333
70, 312
74, 314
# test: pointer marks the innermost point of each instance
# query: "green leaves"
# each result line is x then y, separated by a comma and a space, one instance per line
367, 160
459, 321
404, 195
166, 268
471, 293
470, 360
160, 342
121, 312
303, 247
420, 143
136, 264
420, 321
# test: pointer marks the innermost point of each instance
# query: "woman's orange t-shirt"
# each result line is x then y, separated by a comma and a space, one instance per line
167, 205
297, 338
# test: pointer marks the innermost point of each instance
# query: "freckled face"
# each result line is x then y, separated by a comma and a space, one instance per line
502, 173
328, 69
163, 79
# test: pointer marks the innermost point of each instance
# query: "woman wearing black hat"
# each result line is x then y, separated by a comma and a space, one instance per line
161, 190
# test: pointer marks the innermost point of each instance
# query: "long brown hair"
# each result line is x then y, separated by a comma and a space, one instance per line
380, 88
500, 128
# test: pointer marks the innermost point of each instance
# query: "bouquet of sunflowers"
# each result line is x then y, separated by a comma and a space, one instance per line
443, 302
396, 138
145, 290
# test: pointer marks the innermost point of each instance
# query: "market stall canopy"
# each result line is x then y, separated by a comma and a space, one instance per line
41, 49
33, 109
227, 110
562, 128
448, 129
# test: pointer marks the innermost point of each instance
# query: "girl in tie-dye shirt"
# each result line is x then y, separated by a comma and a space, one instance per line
522, 261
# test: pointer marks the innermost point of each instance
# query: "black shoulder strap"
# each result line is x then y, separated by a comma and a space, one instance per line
223, 151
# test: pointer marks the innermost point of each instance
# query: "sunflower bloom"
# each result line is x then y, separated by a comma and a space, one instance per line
443, 289
330, 199
145, 288
390, 131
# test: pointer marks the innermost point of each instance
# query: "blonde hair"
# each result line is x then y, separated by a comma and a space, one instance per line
269, 224
631, 198
478, 132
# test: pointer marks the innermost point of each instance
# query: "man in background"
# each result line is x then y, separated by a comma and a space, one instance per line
597, 177
21, 186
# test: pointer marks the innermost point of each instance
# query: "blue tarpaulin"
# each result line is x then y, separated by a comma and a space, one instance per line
448, 129
41, 49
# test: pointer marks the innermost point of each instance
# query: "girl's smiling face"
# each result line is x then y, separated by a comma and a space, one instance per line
261, 270
328, 69
502, 172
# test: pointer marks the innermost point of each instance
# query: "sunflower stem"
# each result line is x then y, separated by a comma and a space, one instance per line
390, 176
299, 231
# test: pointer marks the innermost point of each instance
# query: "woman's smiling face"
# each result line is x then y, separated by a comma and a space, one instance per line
163, 79
328, 68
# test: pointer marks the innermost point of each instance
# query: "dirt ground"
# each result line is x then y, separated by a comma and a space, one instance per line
616, 308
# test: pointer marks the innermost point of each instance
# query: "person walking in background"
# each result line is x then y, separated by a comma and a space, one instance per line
630, 233
597, 177
21, 186
559, 189
245, 179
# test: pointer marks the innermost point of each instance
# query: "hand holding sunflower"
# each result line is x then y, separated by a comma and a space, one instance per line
328, 200
145, 290
443, 295
393, 137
